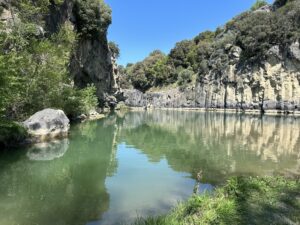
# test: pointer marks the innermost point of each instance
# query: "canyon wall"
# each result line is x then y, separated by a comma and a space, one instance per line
91, 61
270, 85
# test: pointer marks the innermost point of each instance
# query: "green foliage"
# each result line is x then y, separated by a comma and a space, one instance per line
152, 71
185, 77
92, 17
138, 77
179, 55
258, 4
114, 49
241, 201
34, 73
75, 102
35, 70
280, 3
123, 80
11, 133
254, 33
32, 11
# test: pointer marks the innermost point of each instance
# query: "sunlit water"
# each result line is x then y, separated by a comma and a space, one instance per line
139, 164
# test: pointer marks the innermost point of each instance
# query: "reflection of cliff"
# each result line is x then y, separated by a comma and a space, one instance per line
67, 190
216, 143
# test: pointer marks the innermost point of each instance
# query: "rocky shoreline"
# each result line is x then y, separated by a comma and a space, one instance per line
272, 84
224, 110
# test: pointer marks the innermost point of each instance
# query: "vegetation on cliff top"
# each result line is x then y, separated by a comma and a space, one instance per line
269, 200
244, 40
34, 63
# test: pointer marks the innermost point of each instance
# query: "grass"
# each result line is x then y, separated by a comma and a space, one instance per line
268, 200
11, 133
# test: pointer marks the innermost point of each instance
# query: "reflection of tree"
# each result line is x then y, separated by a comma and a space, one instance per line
218, 144
67, 190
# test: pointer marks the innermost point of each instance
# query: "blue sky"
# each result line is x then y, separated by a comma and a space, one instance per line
141, 26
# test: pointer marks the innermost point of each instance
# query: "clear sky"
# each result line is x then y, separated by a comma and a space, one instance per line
141, 26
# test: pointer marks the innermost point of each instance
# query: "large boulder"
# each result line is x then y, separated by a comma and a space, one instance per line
48, 124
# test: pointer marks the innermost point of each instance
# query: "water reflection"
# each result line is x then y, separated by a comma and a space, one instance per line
48, 151
219, 144
66, 191
139, 164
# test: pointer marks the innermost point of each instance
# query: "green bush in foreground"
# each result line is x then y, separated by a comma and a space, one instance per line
269, 200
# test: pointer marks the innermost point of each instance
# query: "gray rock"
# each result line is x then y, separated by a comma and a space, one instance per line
235, 52
91, 64
40, 32
274, 54
91, 61
294, 51
47, 124
266, 8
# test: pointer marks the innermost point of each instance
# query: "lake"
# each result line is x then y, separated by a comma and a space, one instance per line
139, 164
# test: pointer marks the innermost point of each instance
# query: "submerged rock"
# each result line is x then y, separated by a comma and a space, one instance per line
47, 124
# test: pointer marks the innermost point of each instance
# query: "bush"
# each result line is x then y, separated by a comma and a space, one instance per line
11, 133
75, 102
114, 49
185, 77
258, 4
92, 17
179, 55
138, 77
152, 71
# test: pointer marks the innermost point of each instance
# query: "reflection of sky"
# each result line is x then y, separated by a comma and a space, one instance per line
142, 188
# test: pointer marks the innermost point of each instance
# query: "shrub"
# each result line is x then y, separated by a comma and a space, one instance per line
185, 77
179, 55
92, 17
258, 4
138, 77
11, 133
114, 49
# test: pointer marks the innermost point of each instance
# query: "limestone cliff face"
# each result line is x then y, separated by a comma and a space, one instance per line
91, 61
91, 64
272, 85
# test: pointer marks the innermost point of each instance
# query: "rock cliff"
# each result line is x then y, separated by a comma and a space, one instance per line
273, 84
91, 61
252, 62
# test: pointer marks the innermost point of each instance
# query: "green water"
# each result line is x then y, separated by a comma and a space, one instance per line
139, 164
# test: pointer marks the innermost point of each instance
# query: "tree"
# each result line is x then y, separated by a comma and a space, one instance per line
92, 17
178, 55
185, 77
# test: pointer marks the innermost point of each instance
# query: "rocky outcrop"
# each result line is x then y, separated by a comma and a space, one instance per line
47, 124
91, 64
91, 61
270, 85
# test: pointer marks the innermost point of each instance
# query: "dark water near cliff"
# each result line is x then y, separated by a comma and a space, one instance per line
139, 164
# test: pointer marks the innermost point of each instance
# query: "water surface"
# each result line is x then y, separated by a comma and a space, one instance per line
139, 164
